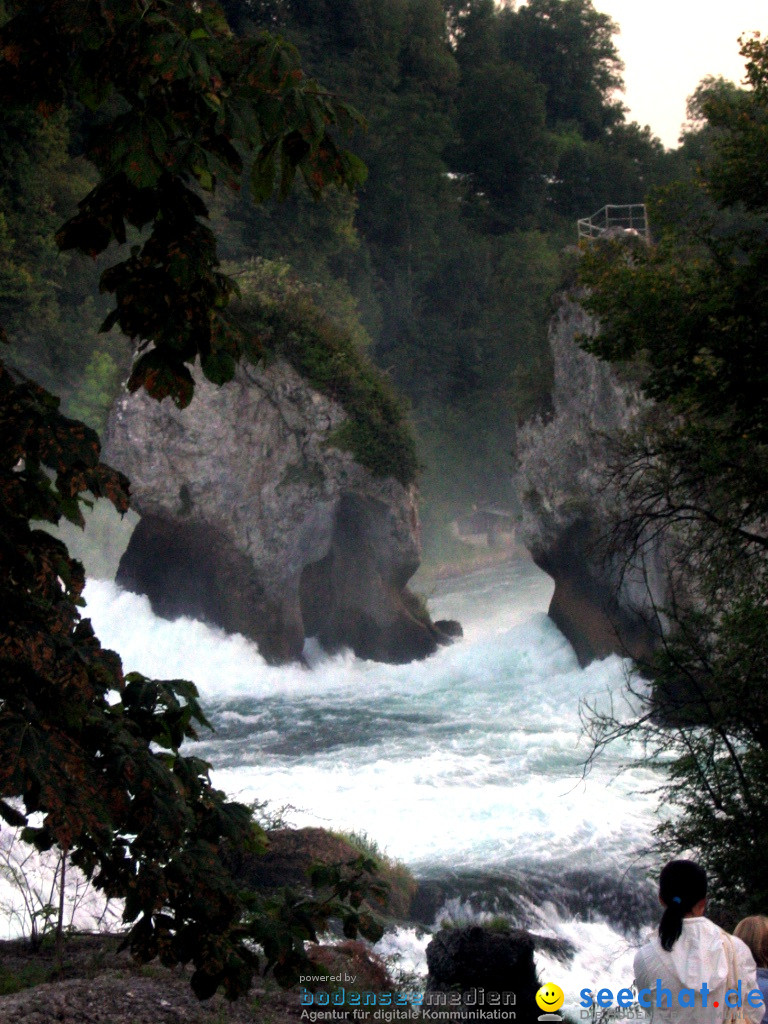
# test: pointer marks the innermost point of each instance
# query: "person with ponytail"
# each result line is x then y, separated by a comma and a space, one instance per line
690, 951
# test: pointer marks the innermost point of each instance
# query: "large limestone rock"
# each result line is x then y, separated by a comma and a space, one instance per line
251, 520
604, 598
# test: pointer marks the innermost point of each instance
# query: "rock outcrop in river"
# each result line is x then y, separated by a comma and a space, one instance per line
604, 598
473, 969
252, 520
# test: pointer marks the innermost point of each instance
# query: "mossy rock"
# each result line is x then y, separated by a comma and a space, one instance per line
286, 322
292, 853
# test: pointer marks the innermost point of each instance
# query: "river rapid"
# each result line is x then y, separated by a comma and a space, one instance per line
466, 766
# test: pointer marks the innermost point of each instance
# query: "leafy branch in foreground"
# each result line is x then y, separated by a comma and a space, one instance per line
93, 758
703, 723
96, 754
176, 104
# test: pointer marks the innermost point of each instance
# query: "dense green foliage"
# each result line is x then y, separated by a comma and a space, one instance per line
281, 318
90, 758
490, 130
690, 315
47, 300
175, 100
180, 99
147, 821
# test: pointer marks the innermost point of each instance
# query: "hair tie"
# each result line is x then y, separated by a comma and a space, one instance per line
676, 899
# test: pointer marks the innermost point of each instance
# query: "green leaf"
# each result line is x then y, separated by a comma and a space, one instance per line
70, 507
370, 928
40, 838
109, 322
219, 367
204, 177
355, 170
205, 984
263, 172
162, 376
286, 974
142, 169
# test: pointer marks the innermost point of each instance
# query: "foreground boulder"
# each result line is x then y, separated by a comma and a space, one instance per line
252, 520
490, 969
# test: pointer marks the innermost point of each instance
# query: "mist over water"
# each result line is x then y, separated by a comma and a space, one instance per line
467, 766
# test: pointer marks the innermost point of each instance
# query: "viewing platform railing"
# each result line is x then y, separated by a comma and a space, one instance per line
615, 221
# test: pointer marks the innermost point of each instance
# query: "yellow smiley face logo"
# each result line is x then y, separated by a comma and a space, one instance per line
550, 997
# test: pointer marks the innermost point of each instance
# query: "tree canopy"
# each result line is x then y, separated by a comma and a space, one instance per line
474, 166
568, 45
178, 99
688, 314
475, 169
90, 756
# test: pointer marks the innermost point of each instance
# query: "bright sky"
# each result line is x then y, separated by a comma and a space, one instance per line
668, 46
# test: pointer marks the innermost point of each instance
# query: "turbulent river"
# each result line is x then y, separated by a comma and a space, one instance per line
467, 766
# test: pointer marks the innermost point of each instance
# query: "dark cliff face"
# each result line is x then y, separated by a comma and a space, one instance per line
253, 521
589, 605
604, 598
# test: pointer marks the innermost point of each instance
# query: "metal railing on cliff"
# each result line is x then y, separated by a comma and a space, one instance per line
616, 221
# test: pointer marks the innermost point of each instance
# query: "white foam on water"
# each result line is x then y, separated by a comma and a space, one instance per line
429, 811
471, 758
29, 893
603, 957
404, 950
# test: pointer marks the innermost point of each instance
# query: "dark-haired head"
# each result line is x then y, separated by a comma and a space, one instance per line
682, 886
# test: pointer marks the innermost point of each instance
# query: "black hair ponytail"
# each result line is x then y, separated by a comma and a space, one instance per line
682, 884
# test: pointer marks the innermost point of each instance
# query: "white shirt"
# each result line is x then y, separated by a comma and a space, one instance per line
700, 955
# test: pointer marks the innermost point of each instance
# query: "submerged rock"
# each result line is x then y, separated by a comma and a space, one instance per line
450, 628
252, 520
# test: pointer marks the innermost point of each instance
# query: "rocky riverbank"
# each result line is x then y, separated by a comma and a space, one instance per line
91, 981
94, 983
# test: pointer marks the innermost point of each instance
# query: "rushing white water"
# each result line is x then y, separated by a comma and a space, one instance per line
29, 893
469, 761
